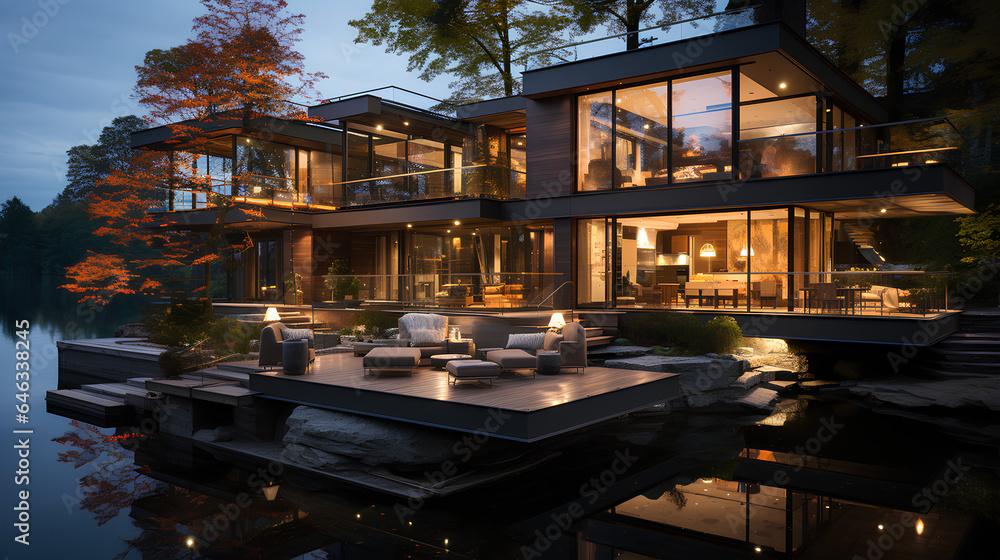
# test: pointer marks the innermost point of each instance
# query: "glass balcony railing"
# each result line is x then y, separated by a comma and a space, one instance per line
476, 181
862, 293
497, 290
911, 143
663, 33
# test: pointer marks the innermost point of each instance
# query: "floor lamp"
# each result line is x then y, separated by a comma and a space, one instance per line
707, 250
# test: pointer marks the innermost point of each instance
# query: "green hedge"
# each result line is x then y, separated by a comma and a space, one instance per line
721, 335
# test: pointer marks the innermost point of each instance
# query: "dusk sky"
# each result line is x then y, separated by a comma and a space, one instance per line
65, 76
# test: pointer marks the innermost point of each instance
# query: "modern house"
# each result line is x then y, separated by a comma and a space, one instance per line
725, 171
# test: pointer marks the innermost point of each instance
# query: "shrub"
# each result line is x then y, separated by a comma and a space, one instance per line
674, 330
180, 323
341, 287
371, 323
228, 336
722, 335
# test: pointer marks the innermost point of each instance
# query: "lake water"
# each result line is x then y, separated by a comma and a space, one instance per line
821, 478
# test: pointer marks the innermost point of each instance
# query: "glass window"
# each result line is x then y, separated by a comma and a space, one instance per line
702, 127
594, 141
767, 147
357, 156
643, 135
266, 169
427, 155
592, 265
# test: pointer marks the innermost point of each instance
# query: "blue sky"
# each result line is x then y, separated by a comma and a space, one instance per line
66, 73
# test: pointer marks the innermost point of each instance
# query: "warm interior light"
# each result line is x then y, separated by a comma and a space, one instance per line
645, 126
920, 526
271, 316
930, 161
642, 240
682, 258
378, 127
406, 123
557, 321
457, 222
707, 250
449, 231
409, 225
270, 492
743, 252
883, 210
782, 85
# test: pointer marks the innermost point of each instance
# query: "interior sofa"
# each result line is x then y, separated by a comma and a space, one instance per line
271, 338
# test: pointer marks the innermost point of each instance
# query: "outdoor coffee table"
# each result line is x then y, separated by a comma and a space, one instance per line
440, 360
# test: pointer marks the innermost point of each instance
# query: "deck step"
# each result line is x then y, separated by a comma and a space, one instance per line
239, 367
115, 391
139, 382
89, 407
217, 374
599, 341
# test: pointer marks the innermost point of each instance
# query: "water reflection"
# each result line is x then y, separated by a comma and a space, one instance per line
698, 484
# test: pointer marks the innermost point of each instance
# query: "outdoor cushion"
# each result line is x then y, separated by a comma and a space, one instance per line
391, 357
425, 337
295, 334
525, 341
472, 368
511, 358
552, 340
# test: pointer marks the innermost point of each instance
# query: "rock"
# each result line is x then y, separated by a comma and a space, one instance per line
951, 393
221, 433
744, 351
699, 376
132, 330
752, 378
759, 398
618, 351
372, 441
779, 373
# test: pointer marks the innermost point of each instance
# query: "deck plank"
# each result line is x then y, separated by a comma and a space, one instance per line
539, 407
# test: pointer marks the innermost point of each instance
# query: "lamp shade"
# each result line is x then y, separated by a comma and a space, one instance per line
272, 315
270, 492
707, 250
557, 321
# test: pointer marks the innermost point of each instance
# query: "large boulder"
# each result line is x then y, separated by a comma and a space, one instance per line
703, 380
370, 441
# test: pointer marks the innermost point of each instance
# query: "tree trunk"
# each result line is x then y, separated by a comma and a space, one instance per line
633, 18
896, 73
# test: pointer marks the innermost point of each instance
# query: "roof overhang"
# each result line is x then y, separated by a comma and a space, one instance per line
506, 112
185, 134
375, 111
727, 48
930, 190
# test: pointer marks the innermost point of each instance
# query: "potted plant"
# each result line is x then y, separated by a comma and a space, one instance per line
293, 288
342, 288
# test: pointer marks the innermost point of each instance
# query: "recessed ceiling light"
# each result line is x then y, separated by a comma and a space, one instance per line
619, 100
645, 126
449, 231
406, 123
883, 210
378, 127
782, 85
409, 225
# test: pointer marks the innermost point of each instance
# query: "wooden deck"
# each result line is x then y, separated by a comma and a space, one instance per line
516, 407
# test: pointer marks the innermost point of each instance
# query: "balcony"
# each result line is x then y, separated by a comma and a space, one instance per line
914, 143
474, 181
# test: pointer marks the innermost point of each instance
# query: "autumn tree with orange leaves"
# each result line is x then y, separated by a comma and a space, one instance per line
241, 64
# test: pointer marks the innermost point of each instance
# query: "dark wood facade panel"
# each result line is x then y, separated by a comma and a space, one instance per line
551, 155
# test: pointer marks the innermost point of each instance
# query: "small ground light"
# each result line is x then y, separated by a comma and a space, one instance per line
446, 542
189, 542
880, 527
756, 549
358, 515
920, 526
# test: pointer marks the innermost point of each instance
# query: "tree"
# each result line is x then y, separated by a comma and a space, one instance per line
629, 16
241, 61
481, 43
18, 235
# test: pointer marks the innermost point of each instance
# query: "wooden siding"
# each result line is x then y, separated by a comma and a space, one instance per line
302, 259
551, 155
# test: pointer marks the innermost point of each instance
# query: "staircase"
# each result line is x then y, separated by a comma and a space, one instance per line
973, 351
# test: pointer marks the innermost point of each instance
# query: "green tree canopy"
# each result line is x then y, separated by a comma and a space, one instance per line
18, 235
482, 43
629, 16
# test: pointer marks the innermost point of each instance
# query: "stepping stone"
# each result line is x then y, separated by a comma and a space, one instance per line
779, 373
759, 398
752, 378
